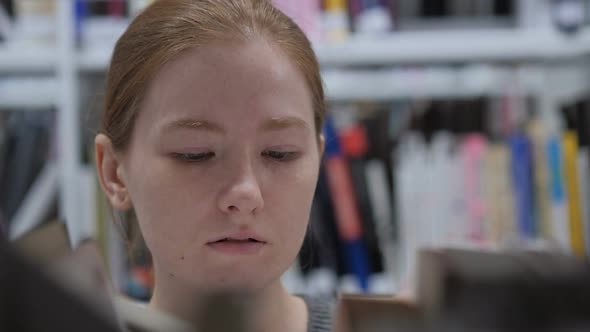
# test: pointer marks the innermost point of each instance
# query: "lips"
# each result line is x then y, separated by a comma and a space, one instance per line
238, 237
237, 244
237, 240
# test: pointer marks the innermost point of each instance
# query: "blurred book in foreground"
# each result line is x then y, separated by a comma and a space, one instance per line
462, 290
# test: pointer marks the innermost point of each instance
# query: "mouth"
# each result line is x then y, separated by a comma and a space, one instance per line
229, 239
237, 245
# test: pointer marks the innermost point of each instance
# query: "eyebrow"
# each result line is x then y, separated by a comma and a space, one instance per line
279, 123
193, 124
272, 124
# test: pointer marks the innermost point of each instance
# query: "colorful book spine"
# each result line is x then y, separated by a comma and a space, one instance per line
522, 179
335, 20
539, 137
473, 152
116, 8
355, 144
81, 12
345, 207
559, 205
305, 13
500, 213
373, 18
570, 154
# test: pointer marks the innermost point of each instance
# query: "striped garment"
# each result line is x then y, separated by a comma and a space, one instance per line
138, 317
320, 313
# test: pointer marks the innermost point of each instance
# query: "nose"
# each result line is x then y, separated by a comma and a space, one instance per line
242, 194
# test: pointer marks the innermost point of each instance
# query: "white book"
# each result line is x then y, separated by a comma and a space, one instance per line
443, 182
458, 224
408, 174
378, 191
349, 284
559, 204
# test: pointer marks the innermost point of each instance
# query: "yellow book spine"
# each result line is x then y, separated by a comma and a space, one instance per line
335, 20
335, 4
570, 152
498, 191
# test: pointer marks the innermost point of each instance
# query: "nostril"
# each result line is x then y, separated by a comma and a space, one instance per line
233, 208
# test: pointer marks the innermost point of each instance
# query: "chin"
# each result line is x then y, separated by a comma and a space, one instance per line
239, 283
245, 277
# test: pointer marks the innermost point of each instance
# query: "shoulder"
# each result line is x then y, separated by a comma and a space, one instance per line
320, 312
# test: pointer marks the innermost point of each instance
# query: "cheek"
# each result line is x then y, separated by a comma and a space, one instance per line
169, 204
290, 202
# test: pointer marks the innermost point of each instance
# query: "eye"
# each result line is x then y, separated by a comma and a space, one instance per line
280, 155
193, 157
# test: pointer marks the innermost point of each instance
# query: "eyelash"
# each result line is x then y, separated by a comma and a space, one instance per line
279, 156
193, 157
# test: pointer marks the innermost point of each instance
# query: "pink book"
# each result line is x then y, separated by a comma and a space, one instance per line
473, 154
116, 8
306, 13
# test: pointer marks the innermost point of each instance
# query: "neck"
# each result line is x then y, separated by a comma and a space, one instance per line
269, 309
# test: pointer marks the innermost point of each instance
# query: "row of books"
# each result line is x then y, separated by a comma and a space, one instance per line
335, 20
446, 174
22, 8
526, 188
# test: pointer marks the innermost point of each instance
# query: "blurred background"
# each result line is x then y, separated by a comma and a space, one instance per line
453, 123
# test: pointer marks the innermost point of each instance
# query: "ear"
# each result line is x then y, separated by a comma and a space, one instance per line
110, 173
322, 144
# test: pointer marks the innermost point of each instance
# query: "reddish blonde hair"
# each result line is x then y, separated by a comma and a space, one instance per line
168, 27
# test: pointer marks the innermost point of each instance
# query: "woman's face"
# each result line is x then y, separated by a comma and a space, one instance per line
222, 165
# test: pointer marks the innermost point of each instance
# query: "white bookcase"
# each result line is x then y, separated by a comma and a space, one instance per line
540, 61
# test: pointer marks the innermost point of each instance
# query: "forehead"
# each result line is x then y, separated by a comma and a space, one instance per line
242, 78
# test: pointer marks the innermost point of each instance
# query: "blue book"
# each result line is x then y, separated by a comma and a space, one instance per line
523, 184
81, 12
555, 170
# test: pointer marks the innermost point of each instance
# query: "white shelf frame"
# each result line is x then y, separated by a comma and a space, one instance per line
469, 82
483, 45
24, 58
28, 93
69, 137
425, 47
